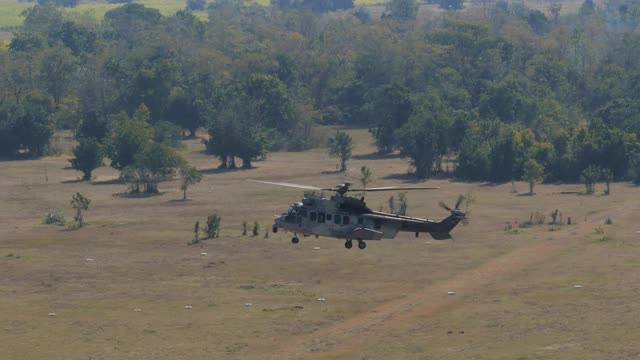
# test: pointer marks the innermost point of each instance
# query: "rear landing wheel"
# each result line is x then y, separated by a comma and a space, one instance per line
362, 245
295, 240
348, 244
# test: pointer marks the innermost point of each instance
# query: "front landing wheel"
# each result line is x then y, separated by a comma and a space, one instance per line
295, 240
348, 244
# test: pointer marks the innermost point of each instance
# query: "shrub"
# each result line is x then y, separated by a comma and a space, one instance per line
53, 218
213, 226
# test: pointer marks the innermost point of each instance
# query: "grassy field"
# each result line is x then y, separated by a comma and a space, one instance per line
514, 288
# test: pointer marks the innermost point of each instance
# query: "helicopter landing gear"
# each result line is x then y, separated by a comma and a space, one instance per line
348, 244
295, 240
362, 245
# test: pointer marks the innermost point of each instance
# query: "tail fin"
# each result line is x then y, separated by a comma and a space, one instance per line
445, 226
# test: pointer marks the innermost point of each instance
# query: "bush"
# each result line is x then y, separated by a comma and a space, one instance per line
53, 218
213, 226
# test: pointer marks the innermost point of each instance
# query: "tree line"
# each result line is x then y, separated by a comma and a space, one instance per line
487, 88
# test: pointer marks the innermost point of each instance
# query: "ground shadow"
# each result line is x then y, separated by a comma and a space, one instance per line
495, 184
75, 181
571, 193
332, 172
216, 170
115, 181
376, 156
180, 201
128, 195
525, 194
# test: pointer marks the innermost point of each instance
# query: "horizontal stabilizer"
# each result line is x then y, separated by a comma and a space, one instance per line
365, 234
440, 236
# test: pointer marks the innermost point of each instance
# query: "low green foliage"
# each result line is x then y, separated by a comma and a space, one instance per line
81, 204
403, 205
53, 218
213, 226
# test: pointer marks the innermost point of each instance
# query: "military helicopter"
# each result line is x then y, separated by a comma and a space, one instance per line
349, 218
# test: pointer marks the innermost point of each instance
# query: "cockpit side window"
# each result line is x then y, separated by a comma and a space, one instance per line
328, 217
313, 216
302, 212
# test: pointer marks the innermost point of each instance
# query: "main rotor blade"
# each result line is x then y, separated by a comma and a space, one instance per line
444, 206
460, 199
298, 186
396, 188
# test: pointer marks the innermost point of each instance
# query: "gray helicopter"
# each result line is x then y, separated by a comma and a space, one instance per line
349, 218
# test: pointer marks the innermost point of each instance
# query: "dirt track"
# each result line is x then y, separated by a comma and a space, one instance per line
348, 339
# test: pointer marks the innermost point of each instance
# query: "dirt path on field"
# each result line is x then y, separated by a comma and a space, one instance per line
347, 338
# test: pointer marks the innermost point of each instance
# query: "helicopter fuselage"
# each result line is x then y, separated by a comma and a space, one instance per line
349, 218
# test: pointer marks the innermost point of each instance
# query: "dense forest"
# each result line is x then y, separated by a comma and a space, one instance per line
496, 88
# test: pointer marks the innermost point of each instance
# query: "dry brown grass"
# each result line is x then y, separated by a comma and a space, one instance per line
514, 290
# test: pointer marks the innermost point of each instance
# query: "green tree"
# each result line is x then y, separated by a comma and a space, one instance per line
156, 163
31, 123
81, 204
340, 146
589, 177
128, 136
389, 108
188, 175
56, 68
425, 139
87, 157
402, 9
533, 173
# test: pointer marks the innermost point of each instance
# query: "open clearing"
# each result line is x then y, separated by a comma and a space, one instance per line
514, 290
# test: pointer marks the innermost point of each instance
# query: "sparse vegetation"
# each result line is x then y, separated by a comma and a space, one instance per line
54, 218
196, 233
213, 226
256, 228
535, 218
81, 204
403, 205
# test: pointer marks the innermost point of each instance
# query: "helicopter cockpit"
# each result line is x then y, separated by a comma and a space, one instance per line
294, 214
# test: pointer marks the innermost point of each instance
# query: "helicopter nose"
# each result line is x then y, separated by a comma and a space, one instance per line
276, 223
